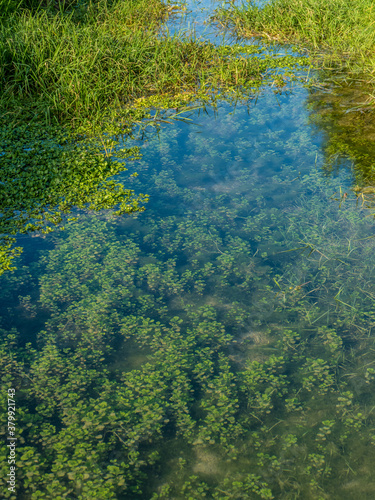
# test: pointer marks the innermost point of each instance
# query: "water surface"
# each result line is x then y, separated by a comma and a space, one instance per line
218, 345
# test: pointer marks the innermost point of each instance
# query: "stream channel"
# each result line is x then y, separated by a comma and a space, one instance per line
229, 326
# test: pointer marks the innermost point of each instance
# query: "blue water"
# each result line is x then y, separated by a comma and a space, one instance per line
219, 344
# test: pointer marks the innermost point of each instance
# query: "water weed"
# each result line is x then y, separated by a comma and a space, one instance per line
226, 329
218, 344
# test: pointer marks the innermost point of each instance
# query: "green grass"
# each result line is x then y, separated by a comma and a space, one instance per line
341, 27
78, 66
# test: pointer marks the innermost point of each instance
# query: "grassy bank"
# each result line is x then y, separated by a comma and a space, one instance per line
80, 66
74, 65
339, 27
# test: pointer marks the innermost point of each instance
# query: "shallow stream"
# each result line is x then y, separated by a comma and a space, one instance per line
234, 316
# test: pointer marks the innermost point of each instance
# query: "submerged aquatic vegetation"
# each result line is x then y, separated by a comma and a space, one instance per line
44, 175
217, 345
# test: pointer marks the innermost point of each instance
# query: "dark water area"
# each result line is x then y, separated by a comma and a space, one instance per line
220, 344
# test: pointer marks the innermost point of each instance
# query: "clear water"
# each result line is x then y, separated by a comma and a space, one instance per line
218, 345
194, 18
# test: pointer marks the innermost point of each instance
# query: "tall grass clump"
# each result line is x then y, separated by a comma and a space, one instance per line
343, 27
79, 63
76, 65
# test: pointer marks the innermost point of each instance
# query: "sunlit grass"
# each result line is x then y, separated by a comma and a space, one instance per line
82, 66
342, 28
